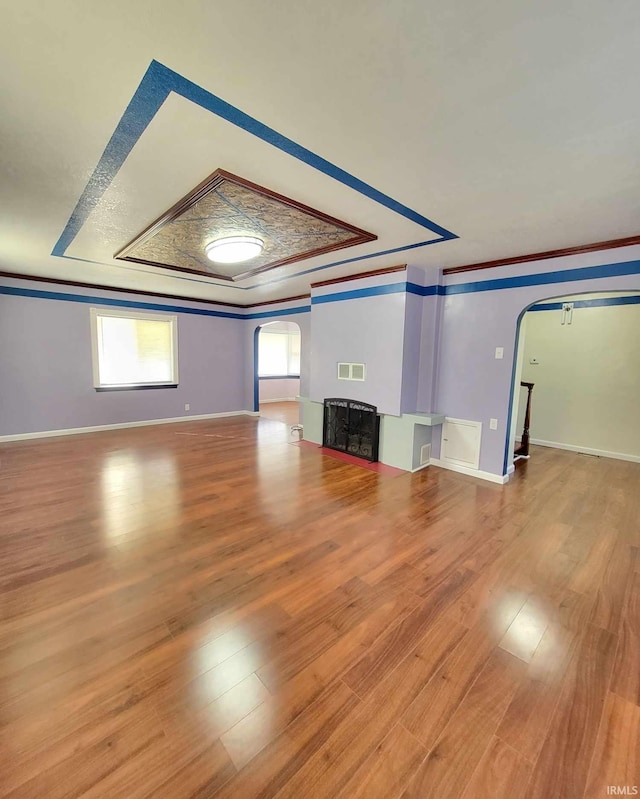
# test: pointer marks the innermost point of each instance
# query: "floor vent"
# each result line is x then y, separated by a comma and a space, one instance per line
425, 454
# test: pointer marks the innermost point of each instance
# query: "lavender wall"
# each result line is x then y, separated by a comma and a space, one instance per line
433, 353
472, 384
279, 388
46, 380
420, 343
360, 329
411, 353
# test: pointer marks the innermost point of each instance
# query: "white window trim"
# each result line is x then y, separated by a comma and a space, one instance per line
145, 315
289, 333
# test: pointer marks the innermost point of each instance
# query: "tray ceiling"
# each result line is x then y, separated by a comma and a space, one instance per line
226, 205
509, 126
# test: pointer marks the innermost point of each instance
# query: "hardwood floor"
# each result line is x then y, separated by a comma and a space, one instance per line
287, 412
203, 609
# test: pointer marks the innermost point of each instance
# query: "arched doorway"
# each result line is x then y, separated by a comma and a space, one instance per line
276, 370
581, 353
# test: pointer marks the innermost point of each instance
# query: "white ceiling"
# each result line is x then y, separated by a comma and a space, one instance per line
514, 125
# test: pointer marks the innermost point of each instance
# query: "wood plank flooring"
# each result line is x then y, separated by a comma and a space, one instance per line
287, 412
204, 610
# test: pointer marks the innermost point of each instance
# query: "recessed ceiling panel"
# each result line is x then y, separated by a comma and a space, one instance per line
226, 205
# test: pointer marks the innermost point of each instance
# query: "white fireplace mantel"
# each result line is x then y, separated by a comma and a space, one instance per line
402, 438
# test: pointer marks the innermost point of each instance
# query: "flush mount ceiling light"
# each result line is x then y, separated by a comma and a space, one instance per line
234, 249
194, 234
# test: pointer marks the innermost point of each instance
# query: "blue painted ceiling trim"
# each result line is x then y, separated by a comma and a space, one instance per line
356, 294
594, 303
154, 88
545, 278
349, 261
146, 306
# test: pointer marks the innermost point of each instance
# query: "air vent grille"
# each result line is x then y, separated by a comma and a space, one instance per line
425, 454
351, 371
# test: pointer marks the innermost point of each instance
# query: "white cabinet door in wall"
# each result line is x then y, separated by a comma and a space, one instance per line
461, 442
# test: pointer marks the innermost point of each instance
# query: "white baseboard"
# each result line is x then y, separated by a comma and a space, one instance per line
280, 399
72, 431
601, 453
492, 478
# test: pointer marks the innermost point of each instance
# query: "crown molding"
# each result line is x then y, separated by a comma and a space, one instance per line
139, 292
542, 256
360, 275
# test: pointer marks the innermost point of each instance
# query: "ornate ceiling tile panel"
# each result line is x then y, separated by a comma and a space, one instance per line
226, 205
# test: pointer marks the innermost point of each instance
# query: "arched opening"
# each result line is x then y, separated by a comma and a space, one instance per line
276, 370
581, 354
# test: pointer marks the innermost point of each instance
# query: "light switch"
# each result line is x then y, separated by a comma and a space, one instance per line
499, 353
534, 361
493, 424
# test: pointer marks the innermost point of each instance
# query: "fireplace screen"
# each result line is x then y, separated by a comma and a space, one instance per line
351, 427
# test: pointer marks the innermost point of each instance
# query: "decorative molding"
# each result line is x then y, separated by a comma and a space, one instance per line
356, 294
599, 453
278, 377
72, 431
599, 302
551, 278
157, 83
139, 292
360, 275
274, 213
543, 256
17, 291
278, 399
275, 302
143, 387
453, 467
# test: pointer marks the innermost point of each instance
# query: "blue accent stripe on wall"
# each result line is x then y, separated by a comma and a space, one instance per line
372, 291
595, 303
154, 88
283, 312
146, 306
546, 278
424, 291
356, 294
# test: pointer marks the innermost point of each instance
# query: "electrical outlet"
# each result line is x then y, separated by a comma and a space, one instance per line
493, 424
499, 353
187, 407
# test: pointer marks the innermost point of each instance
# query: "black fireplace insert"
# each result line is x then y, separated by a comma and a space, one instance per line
351, 427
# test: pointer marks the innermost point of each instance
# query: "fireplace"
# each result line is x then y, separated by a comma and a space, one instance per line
351, 427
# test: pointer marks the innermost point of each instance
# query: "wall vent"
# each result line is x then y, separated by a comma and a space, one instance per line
425, 454
351, 371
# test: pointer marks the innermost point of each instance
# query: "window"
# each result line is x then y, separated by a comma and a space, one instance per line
279, 353
132, 349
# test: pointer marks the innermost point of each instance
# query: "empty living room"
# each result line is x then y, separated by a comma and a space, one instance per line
319, 400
